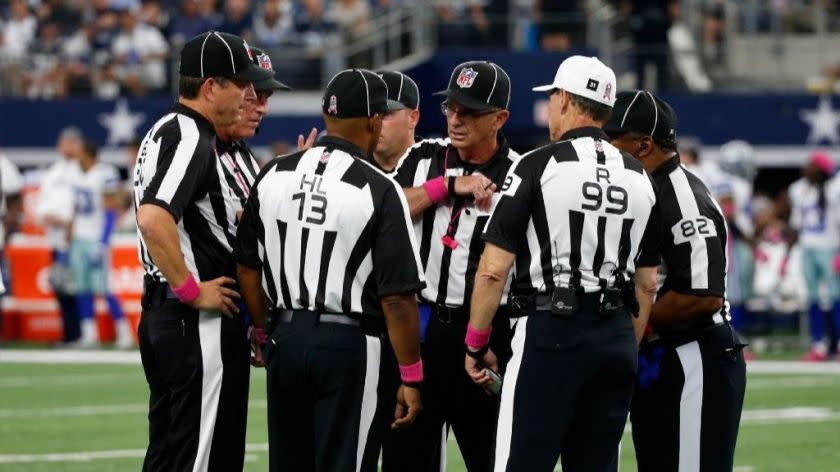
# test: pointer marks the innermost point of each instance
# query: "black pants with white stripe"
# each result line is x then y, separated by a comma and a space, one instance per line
687, 419
450, 400
567, 391
323, 379
196, 365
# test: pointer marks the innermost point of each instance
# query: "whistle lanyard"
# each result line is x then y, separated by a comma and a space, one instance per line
458, 204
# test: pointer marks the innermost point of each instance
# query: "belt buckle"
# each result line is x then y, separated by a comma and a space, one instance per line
444, 314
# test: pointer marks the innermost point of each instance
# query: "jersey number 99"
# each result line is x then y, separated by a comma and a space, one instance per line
594, 194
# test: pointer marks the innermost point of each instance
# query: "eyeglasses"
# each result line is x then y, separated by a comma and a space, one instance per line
466, 113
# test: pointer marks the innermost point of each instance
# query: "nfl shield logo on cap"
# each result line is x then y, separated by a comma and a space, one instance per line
466, 77
264, 61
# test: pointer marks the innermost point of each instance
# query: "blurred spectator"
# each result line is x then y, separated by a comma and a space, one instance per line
141, 51
238, 19
560, 24
686, 54
78, 55
207, 9
107, 24
814, 199
352, 16
190, 23
11, 204
273, 25
57, 11
105, 81
11, 184
18, 31
312, 25
153, 14
46, 78
54, 210
461, 22
777, 283
649, 25
714, 29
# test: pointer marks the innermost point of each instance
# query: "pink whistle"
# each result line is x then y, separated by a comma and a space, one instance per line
449, 242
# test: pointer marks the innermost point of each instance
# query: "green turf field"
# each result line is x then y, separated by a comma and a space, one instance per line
91, 418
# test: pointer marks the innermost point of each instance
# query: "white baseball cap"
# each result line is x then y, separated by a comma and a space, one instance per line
584, 76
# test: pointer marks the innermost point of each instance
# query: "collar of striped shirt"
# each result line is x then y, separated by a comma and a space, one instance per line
223, 147
198, 117
501, 153
585, 132
666, 167
334, 142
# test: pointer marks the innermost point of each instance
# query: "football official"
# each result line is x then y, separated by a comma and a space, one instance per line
326, 243
239, 168
692, 376
191, 345
578, 218
451, 185
399, 121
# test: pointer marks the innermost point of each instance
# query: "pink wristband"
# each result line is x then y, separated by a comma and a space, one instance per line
259, 335
435, 189
477, 339
412, 373
188, 291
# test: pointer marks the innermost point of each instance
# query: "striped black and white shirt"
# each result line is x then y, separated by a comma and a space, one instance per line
450, 273
575, 213
180, 169
329, 232
694, 234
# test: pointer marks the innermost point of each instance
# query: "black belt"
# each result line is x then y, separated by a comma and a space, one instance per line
686, 333
368, 324
446, 314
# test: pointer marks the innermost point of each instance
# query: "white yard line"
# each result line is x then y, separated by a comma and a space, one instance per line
778, 383
792, 367
68, 356
88, 456
92, 410
68, 379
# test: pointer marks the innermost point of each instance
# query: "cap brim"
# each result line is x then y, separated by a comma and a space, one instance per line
465, 100
270, 84
394, 105
544, 88
254, 73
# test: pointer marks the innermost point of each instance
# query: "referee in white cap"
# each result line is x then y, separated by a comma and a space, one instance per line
579, 219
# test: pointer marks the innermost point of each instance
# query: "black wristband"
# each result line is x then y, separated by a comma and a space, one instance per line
451, 186
479, 354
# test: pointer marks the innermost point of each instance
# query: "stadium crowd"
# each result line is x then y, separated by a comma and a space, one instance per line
51, 49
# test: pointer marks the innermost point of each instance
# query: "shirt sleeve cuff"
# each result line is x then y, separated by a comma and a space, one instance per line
412, 287
162, 204
502, 242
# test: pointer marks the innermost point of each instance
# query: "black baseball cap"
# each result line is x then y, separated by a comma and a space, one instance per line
402, 91
642, 112
355, 93
478, 85
215, 54
262, 59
